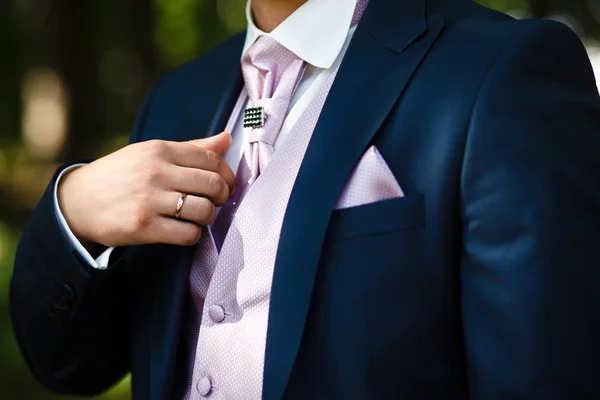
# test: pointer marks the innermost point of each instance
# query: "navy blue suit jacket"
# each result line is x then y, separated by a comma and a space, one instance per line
482, 283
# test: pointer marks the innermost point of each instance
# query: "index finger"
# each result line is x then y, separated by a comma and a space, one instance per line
192, 156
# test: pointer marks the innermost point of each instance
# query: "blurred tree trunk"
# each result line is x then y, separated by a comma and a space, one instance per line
141, 17
74, 60
12, 211
9, 69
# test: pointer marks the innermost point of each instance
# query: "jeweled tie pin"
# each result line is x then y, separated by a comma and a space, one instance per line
254, 117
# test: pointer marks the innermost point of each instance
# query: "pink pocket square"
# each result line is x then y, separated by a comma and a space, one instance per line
370, 182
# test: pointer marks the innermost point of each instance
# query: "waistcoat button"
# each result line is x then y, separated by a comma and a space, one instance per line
204, 386
216, 314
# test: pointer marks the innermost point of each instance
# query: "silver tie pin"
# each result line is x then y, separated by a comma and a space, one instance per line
254, 117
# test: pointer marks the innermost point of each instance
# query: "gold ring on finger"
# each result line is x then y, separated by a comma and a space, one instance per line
180, 205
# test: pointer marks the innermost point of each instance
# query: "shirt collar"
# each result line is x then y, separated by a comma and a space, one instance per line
315, 32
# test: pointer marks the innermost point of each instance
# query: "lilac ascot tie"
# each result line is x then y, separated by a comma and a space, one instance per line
271, 75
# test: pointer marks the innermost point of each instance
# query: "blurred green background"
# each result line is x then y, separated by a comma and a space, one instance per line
72, 75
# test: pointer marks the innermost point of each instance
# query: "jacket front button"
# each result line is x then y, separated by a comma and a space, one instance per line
216, 314
204, 386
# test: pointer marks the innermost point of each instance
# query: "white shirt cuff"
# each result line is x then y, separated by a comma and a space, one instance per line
99, 263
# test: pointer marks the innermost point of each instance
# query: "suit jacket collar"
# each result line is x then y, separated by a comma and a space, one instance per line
395, 24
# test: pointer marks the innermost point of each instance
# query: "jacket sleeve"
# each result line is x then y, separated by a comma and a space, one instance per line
530, 192
70, 320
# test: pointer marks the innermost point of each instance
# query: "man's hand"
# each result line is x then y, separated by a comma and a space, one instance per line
129, 197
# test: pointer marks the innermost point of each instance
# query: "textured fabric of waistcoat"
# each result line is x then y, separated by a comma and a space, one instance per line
231, 288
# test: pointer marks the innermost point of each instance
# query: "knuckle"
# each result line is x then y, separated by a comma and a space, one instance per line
211, 156
217, 161
154, 146
151, 172
213, 160
140, 220
216, 184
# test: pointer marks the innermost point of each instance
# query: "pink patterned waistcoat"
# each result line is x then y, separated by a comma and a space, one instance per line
231, 289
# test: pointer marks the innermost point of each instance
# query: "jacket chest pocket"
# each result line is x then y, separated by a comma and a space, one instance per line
377, 218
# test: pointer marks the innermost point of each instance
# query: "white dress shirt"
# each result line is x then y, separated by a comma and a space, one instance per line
318, 32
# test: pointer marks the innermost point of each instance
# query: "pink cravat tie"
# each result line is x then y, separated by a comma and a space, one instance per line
271, 74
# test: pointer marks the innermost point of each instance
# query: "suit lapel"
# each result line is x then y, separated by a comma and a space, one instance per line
388, 46
232, 92
212, 94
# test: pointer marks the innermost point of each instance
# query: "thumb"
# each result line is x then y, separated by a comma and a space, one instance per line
218, 143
